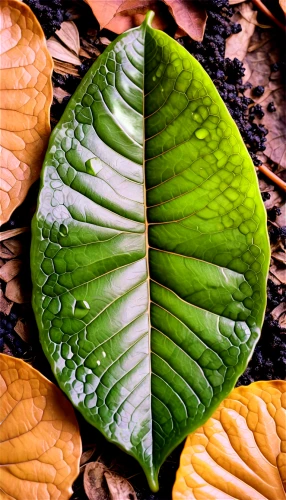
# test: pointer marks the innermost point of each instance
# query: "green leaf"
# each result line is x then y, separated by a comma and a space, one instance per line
150, 249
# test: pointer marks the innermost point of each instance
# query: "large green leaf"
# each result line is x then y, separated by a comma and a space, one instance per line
150, 250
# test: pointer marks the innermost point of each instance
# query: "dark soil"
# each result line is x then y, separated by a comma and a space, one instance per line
269, 358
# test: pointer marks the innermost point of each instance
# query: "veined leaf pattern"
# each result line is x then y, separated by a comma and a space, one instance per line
150, 250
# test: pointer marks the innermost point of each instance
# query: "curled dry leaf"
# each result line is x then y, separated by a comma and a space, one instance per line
69, 35
5, 305
26, 95
40, 442
121, 15
191, 17
61, 53
240, 451
103, 484
237, 45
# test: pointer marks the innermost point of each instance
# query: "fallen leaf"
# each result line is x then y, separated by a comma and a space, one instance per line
22, 329
191, 17
15, 246
282, 4
40, 441
237, 45
119, 488
10, 269
94, 482
69, 35
280, 256
5, 253
86, 455
65, 68
10, 233
279, 273
59, 93
278, 311
103, 484
26, 96
5, 305
259, 62
240, 451
61, 53
16, 292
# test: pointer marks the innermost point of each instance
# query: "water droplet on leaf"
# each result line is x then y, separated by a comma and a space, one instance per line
63, 230
201, 133
81, 309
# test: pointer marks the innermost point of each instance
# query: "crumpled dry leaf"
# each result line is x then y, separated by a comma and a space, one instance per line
237, 45
190, 17
259, 62
103, 484
69, 35
25, 96
61, 53
240, 451
5, 305
121, 15
40, 442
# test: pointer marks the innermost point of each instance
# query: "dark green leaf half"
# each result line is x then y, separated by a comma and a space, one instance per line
150, 249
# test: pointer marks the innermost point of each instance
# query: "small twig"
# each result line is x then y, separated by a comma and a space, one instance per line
273, 177
5, 235
269, 14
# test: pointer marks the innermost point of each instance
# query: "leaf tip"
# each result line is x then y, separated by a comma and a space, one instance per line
148, 19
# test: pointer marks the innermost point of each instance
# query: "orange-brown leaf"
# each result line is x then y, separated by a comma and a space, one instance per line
240, 451
121, 15
25, 97
40, 444
190, 16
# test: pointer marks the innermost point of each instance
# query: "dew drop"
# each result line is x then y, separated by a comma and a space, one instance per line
104, 354
98, 362
201, 133
93, 166
81, 309
63, 230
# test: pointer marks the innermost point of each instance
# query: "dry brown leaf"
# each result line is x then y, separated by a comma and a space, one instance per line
234, 2
280, 256
61, 53
15, 246
237, 45
65, 68
5, 253
278, 311
16, 292
94, 482
86, 455
10, 269
59, 93
40, 439
282, 4
119, 488
259, 61
69, 35
5, 305
25, 96
22, 329
10, 233
191, 17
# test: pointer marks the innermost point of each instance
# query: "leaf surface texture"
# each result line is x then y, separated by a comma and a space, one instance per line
40, 445
149, 247
240, 452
